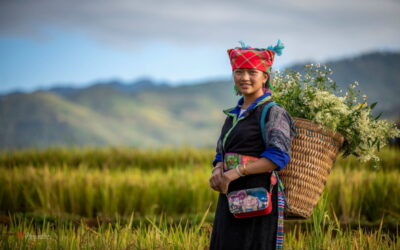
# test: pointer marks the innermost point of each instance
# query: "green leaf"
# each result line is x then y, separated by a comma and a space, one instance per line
375, 141
373, 105
377, 117
345, 154
362, 148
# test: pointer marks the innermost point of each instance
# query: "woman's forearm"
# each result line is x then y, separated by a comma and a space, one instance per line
262, 165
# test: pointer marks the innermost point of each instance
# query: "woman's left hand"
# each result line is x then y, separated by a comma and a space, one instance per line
227, 178
224, 185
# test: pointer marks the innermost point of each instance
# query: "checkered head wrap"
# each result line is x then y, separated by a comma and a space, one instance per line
258, 58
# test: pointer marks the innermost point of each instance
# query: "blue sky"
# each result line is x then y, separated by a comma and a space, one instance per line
46, 43
68, 58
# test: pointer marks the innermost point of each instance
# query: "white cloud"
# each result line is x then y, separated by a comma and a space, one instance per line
310, 29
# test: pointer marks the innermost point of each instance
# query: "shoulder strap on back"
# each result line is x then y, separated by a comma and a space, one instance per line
263, 117
274, 176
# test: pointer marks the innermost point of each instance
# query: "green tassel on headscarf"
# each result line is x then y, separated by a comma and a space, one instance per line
268, 80
270, 85
277, 48
235, 90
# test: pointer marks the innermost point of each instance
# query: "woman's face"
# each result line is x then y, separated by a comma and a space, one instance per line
249, 81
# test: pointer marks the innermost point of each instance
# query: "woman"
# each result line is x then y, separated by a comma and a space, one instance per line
241, 134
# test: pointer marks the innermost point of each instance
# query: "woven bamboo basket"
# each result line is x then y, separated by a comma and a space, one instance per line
314, 150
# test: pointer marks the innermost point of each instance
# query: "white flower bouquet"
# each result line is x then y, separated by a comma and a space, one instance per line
316, 97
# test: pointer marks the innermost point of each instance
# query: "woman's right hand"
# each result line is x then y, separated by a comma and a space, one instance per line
217, 177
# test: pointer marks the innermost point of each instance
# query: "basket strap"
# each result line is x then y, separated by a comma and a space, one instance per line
282, 202
263, 117
264, 113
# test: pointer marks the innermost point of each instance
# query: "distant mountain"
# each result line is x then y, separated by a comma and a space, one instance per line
102, 114
149, 114
138, 85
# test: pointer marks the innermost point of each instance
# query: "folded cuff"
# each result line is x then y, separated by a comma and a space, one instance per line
218, 157
277, 156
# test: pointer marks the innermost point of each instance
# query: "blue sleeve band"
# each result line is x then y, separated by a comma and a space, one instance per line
218, 157
277, 156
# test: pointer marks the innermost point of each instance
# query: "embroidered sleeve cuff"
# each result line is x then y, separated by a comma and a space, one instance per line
218, 157
280, 158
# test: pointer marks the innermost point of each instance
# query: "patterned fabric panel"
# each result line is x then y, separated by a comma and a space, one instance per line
248, 200
233, 160
281, 212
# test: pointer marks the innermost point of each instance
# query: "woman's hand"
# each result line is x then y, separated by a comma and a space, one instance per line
220, 180
216, 177
224, 183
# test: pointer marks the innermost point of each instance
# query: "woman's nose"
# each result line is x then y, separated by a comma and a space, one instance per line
245, 76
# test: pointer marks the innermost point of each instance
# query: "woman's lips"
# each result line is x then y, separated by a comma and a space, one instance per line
245, 86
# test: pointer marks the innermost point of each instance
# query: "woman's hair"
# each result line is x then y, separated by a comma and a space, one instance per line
265, 85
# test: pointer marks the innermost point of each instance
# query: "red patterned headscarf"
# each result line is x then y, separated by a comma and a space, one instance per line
261, 59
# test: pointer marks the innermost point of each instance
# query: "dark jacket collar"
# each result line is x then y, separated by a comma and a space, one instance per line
235, 110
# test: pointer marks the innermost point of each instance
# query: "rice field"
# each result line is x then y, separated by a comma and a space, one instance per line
126, 198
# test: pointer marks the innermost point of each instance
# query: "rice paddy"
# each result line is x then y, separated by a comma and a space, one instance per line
126, 198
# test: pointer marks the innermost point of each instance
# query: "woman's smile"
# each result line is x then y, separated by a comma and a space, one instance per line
246, 85
249, 81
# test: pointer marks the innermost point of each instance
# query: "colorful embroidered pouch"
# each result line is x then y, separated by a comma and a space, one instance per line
250, 202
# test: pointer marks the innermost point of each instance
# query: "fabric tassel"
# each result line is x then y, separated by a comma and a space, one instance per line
244, 45
270, 85
235, 90
278, 48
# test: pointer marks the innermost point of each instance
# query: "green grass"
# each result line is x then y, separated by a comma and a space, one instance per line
162, 235
157, 158
323, 233
107, 157
355, 194
95, 192
161, 199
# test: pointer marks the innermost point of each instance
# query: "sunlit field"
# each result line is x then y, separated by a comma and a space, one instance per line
125, 198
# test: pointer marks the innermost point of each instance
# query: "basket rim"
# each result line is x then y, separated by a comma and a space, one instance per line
319, 128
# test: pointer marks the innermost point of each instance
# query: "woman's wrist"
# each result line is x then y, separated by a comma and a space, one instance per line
215, 168
244, 169
232, 174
